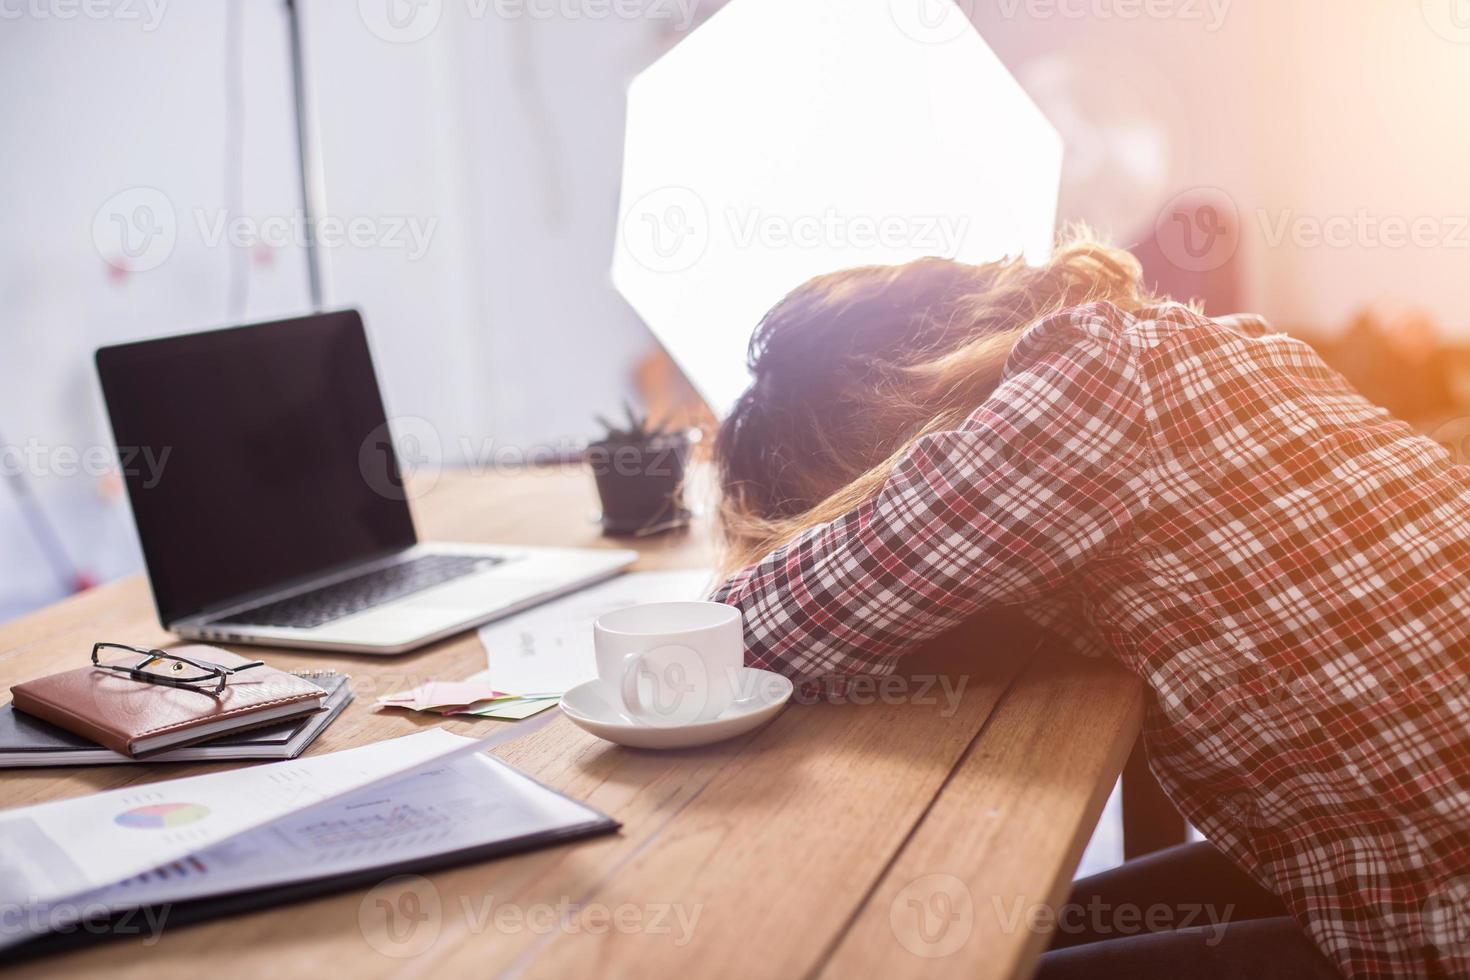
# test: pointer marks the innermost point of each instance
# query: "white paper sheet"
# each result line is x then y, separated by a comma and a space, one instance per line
548, 650
466, 803
53, 852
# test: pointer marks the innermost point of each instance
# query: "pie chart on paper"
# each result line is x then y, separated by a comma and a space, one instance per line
157, 816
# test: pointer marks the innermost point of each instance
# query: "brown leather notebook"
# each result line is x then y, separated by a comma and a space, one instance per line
135, 717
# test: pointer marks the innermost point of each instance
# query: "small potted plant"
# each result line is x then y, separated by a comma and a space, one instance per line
639, 469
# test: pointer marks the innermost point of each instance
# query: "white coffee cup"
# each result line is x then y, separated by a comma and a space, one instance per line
671, 663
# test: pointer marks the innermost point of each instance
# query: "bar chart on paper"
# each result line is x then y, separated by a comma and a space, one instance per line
467, 803
380, 826
58, 850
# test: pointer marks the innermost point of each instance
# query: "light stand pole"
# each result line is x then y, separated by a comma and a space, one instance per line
309, 166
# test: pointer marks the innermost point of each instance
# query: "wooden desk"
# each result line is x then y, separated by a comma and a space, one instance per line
906, 833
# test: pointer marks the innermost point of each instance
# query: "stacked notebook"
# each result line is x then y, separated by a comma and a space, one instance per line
91, 717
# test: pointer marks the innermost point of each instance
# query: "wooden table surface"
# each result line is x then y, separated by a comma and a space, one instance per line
914, 829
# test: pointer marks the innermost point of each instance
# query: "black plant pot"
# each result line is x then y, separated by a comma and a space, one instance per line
640, 483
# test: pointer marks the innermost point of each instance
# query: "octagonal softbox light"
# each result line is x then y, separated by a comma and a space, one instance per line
788, 138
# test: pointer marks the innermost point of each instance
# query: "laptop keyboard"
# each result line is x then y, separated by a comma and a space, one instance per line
353, 595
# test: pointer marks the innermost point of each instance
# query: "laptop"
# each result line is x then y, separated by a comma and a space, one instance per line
270, 503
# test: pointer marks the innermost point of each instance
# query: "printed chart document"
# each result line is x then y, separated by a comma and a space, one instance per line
463, 805
548, 650
424, 795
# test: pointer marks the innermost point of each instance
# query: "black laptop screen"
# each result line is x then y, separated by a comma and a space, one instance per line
253, 456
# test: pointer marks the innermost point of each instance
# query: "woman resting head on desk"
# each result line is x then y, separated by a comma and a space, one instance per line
1208, 503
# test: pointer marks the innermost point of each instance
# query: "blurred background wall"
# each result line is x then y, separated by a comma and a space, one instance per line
1299, 159
479, 162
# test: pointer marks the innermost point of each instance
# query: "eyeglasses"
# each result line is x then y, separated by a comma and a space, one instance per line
194, 675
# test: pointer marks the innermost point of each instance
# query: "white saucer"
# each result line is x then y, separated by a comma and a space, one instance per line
595, 708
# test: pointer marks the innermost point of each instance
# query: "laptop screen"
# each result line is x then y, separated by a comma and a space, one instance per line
253, 456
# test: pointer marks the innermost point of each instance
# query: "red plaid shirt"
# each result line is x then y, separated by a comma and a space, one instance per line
1285, 566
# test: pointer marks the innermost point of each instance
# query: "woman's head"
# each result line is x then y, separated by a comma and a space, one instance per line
852, 367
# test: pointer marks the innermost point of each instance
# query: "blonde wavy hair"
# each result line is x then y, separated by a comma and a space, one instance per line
851, 368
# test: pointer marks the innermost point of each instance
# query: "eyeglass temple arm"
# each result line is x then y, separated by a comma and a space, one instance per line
236, 670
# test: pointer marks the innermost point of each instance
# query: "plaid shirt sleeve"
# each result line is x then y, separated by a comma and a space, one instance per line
1050, 471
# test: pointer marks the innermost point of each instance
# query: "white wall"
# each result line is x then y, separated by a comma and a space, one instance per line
93, 108
500, 135
508, 133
